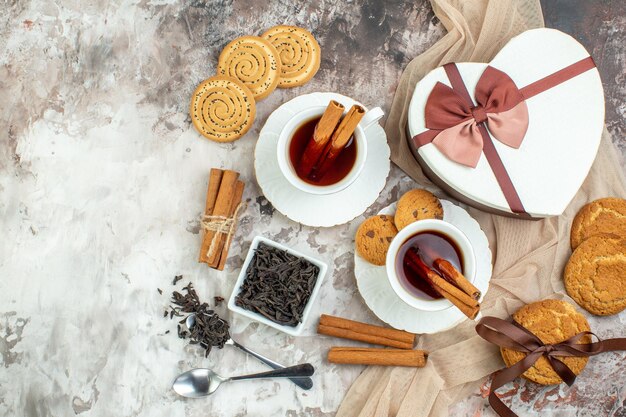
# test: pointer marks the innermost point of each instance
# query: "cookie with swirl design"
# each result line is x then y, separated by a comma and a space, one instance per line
253, 61
298, 51
222, 109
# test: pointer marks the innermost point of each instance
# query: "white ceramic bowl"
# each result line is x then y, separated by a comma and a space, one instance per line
287, 168
295, 330
458, 237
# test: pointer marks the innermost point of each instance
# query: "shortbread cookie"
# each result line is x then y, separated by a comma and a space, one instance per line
595, 275
606, 215
254, 62
374, 237
552, 321
222, 109
417, 205
299, 54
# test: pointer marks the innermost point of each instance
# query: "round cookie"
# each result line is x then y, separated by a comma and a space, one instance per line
222, 109
606, 215
254, 62
595, 275
374, 237
299, 54
417, 205
552, 321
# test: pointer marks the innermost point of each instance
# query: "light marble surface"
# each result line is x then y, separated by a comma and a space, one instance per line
102, 183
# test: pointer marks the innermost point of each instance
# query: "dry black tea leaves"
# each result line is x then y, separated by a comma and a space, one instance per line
218, 300
176, 279
209, 330
278, 285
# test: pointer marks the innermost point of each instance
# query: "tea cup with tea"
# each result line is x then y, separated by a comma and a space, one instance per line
346, 169
432, 239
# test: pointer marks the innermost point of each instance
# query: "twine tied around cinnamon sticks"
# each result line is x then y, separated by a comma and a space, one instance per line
222, 209
221, 225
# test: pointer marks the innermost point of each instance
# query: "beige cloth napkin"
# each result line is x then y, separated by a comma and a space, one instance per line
529, 255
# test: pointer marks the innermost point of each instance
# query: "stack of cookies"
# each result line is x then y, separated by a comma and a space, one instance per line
249, 68
595, 275
376, 233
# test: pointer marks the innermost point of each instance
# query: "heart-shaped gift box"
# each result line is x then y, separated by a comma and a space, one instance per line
516, 136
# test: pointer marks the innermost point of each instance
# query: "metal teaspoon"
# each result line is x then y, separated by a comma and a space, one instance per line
201, 382
303, 382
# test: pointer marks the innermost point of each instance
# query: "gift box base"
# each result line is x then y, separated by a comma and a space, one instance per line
452, 192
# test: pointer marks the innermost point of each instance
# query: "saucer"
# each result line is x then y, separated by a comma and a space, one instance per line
319, 210
386, 305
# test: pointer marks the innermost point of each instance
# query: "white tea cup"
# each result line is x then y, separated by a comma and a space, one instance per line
457, 237
288, 170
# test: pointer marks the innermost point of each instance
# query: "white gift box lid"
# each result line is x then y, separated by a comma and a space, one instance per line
564, 129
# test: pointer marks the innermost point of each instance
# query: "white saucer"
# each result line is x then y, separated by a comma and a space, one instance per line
386, 305
319, 210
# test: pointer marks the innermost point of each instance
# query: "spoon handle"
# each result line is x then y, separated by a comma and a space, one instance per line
304, 369
304, 383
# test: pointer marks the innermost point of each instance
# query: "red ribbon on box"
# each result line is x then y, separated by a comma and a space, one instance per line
514, 336
460, 129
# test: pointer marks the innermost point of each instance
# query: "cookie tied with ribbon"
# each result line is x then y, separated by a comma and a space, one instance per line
514, 136
548, 342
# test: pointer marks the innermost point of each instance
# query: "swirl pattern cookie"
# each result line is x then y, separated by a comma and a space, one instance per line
552, 321
222, 109
254, 62
299, 54
595, 275
606, 215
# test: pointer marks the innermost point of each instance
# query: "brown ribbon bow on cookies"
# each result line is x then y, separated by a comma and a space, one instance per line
513, 336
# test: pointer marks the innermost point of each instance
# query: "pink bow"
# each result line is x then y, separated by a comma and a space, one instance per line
454, 121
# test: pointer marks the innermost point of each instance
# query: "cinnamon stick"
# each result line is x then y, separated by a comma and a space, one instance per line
466, 304
213, 259
470, 311
321, 136
215, 178
340, 138
376, 356
353, 330
222, 206
449, 271
428, 288
239, 187
439, 282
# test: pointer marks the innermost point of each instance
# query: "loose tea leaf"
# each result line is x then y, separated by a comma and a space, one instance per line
278, 285
218, 300
176, 279
209, 329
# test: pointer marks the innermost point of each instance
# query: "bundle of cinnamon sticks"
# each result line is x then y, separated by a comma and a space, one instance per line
402, 343
223, 203
331, 135
446, 280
